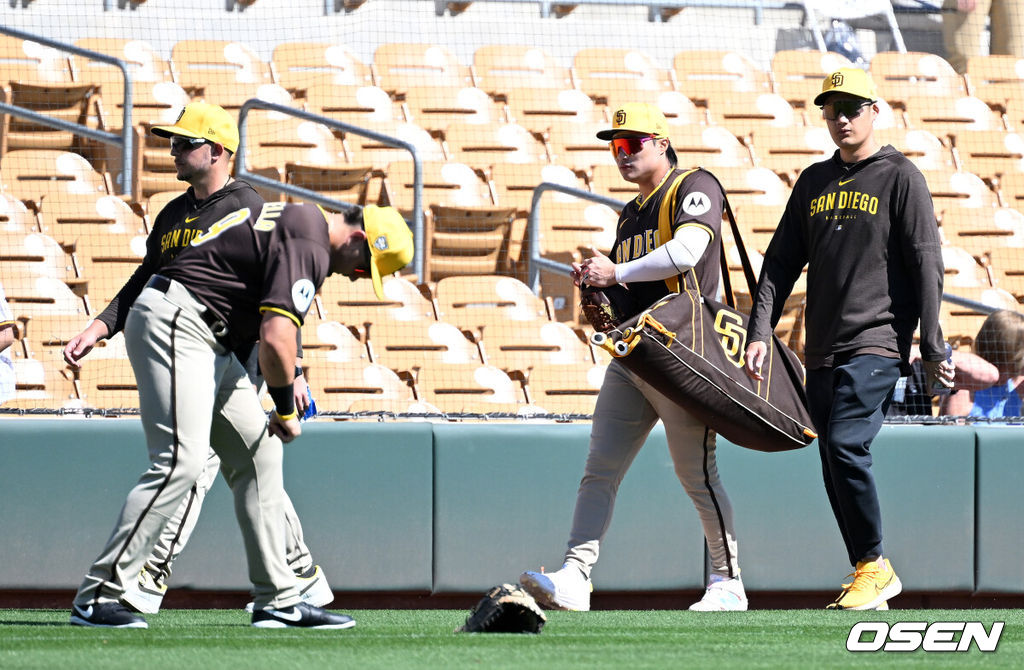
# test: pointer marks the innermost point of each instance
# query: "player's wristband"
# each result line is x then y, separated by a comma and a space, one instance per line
298, 370
284, 400
286, 417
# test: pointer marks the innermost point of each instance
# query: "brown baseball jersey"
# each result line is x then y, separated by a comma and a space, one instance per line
254, 261
177, 224
698, 202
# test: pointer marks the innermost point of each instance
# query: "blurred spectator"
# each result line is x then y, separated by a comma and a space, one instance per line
913, 397
1000, 341
963, 29
6, 340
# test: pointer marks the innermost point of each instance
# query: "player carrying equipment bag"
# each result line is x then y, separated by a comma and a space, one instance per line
691, 348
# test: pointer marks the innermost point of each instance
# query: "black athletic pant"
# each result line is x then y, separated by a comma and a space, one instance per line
847, 404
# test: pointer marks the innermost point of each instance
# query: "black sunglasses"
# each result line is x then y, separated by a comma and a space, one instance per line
182, 143
851, 109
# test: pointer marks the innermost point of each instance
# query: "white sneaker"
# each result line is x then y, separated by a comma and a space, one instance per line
313, 589
722, 595
144, 595
564, 589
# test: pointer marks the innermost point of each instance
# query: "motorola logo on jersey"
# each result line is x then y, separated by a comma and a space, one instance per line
302, 295
696, 203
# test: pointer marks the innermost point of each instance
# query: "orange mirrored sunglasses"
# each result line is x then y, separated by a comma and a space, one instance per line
629, 145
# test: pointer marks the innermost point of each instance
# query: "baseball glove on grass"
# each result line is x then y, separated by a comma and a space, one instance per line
505, 609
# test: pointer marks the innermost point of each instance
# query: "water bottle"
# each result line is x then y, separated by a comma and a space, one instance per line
938, 388
311, 410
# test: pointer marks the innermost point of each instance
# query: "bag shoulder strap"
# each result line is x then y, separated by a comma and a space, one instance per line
666, 215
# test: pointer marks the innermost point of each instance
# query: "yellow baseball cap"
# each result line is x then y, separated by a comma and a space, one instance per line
390, 240
637, 117
203, 121
850, 80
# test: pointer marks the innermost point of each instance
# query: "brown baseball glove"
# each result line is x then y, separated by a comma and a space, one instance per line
505, 609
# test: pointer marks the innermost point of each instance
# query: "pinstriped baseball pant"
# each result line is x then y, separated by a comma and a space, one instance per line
626, 411
193, 394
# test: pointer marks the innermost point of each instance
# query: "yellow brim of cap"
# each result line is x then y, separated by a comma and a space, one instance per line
378, 285
167, 131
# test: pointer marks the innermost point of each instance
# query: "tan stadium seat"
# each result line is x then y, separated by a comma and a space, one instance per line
533, 344
336, 385
196, 61
353, 103
30, 61
981, 229
401, 65
354, 304
950, 116
899, 76
488, 145
922, 147
412, 347
569, 389
471, 389
706, 76
604, 72
996, 79
798, 73
539, 109
502, 68
989, 153
488, 302
299, 65
463, 240
438, 107
69, 102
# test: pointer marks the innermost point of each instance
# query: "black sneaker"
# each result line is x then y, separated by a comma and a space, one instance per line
106, 615
301, 615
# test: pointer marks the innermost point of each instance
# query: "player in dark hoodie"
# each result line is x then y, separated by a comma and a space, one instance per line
863, 224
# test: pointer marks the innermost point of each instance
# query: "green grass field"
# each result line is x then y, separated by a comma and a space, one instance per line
424, 639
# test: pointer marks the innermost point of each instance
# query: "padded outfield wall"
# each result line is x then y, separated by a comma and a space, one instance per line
455, 508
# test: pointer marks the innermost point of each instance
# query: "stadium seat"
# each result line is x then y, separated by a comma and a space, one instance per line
1008, 270
353, 103
413, 347
798, 73
502, 68
33, 174
471, 389
757, 223
25, 60
354, 304
996, 79
752, 186
331, 341
401, 65
336, 385
606, 72
707, 76
366, 150
438, 107
605, 179
950, 116
566, 228
575, 145
790, 150
488, 302
900, 76
68, 102
35, 247
710, 146
300, 65
487, 145
29, 296
348, 183
539, 109
514, 183
953, 189
962, 269
196, 61
463, 240
87, 222
447, 184
231, 94
982, 229
535, 344
743, 113
1011, 188
566, 389
922, 147
41, 386
15, 217
989, 153
272, 140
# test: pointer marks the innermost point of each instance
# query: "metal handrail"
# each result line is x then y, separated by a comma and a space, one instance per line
124, 139
536, 261
241, 172
654, 7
